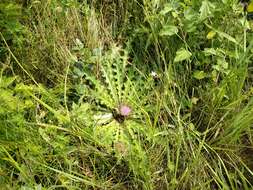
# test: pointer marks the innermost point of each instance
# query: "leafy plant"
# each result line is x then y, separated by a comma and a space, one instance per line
126, 95
120, 112
10, 25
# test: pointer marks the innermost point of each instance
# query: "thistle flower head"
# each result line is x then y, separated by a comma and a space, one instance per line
124, 110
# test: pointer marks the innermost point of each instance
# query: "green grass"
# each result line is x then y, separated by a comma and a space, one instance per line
183, 68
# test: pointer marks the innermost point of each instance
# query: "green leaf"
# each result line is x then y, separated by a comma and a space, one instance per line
6, 81
199, 75
206, 9
167, 8
168, 30
222, 65
182, 54
210, 51
227, 36
223, 34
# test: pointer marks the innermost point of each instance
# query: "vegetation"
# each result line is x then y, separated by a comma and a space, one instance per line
133, 94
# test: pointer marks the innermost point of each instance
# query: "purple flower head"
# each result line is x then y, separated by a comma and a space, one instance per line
125, 110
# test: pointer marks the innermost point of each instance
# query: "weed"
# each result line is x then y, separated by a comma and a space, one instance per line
126, 95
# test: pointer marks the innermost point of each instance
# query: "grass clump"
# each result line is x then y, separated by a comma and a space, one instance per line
126, 95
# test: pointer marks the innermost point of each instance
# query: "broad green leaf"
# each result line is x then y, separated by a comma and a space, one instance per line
199, 75
182, 54
206, 9
190, 14
168, 30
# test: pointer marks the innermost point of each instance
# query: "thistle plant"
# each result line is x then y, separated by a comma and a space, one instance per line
115, 89
120, 95
117, 86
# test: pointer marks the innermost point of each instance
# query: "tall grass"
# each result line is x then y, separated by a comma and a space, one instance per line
182, 68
